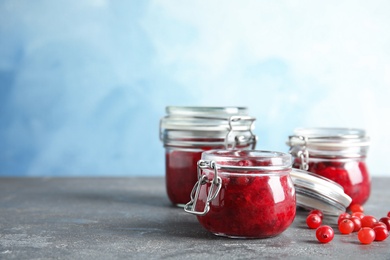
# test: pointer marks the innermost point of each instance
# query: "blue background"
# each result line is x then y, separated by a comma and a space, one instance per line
83, 84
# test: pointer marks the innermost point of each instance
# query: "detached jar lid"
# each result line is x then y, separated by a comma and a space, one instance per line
316, 192
214, 126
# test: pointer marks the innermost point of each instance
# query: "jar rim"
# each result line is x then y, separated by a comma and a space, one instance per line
248, 159
330, 132
205, 110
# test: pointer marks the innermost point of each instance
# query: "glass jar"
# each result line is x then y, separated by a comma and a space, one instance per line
335, 153
188, 131
245, 194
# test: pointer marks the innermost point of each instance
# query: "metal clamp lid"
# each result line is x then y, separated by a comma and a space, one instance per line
184, 130
329, 138
328, 143
316, 192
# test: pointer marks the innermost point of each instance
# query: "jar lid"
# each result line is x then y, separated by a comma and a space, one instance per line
205, 111
206, 118
330, 142
316, 192
192, 126
329, 138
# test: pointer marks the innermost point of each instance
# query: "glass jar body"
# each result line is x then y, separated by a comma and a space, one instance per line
244, 193
253, 205
351, 173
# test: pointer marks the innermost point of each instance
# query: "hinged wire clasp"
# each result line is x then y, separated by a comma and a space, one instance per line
304, 157
240, 139
215, 187
303, 153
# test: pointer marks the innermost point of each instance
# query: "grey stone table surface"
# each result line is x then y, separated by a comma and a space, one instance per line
131, 218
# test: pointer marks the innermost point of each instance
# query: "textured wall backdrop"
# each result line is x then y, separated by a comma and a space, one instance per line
83, 84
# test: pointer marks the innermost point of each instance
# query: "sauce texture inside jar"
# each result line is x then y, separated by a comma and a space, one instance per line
181, 174
351, 174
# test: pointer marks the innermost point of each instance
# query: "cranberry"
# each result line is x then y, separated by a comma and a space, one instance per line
386, 221
358, 214
313, 221
318, 212
357, 223
366, 235
368, 221
342, 216
381, 233
356, 208
324, 234
346, 226
379, 224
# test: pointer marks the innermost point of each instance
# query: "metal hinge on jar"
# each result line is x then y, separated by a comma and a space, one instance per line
303, 153
240, 139
215, 187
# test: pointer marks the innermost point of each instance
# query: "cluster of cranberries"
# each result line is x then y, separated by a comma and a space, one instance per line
368, 228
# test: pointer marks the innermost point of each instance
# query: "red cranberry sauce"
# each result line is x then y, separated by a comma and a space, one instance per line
352, 174
251, 204
181, 174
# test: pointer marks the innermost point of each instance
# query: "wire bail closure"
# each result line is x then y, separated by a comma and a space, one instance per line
303, 154
240, 139
215, 187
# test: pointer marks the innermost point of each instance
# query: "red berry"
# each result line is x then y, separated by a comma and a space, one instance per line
356, 208
388, 214
379, 224
324, 234
313, 221
357, 223
343, 216
368, 221
358, 214
366, 235
386, 221
346, 226
381, 233
318, 212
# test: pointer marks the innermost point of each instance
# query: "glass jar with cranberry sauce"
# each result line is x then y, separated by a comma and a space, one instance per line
335, 153
188, 131
244, 193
